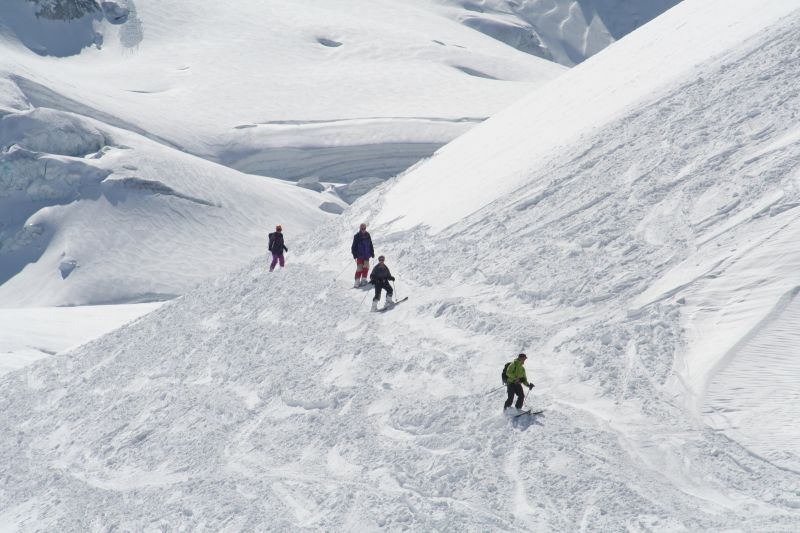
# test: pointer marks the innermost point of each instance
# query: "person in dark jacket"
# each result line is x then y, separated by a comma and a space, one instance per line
381, 277
277, 247
515, 378
362, 252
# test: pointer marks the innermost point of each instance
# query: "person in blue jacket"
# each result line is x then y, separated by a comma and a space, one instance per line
362, 251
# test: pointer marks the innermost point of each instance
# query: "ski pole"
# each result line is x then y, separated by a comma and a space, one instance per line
495, 390
340, 273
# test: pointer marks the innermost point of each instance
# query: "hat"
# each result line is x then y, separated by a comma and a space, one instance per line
278, 228
381, 258
522, 356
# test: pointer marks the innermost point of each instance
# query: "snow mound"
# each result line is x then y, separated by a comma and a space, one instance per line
47, 130
93, 214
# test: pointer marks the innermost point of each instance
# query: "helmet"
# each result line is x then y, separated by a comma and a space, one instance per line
381, 258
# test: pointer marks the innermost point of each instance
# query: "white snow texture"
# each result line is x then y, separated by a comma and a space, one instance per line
631, 225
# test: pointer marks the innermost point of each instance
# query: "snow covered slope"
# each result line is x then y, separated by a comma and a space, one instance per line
265, 87
338, 90
94, 214
564, 31
276, 401
27, 335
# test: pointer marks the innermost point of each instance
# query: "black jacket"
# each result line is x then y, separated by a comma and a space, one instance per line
362, 246
381, 273
276, 245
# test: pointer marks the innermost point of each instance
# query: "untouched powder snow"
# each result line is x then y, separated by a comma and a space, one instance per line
287, 89
276, 401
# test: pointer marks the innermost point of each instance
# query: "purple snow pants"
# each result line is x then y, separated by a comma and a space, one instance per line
275, 259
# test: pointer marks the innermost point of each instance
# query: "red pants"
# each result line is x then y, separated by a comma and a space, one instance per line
362, 268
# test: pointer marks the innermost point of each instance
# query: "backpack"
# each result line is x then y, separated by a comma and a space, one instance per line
271, 241
503, 375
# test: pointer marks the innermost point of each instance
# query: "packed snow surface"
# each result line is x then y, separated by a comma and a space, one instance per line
646, 262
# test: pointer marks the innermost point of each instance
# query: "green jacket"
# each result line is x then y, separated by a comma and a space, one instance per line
515, 373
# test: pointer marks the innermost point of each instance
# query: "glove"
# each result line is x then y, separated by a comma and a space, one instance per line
391, 278
530, 386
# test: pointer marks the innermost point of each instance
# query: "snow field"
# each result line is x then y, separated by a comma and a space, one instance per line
540, 127
277, 61
565, 31
278, 394
95, 215
29, 334
622, 264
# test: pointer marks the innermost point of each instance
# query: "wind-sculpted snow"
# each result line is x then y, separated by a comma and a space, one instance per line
277, 61
340, 151
46, 130
92, 214
565, 31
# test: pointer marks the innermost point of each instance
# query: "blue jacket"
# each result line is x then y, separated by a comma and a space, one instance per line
362, 246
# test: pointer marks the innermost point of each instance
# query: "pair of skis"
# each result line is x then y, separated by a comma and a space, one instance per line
388, 307
529, 412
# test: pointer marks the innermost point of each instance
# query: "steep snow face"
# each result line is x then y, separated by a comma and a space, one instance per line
541, 125
93, 214
564, 31
339, 91
276, 401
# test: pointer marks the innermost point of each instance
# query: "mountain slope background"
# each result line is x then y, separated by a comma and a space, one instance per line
645, 254
111, 183
93, 212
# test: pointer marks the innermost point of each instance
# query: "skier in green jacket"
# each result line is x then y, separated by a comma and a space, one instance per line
515, 378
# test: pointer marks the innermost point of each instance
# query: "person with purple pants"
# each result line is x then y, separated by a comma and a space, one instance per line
277, 247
